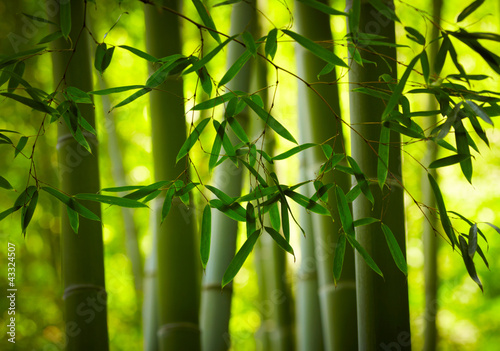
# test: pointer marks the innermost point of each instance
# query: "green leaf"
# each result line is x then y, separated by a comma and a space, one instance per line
207, 19
206, 230
133, 97
316, 49
441, 55
323, 8
106, 60
74, 205
20, 145
65, 17
445, 220
322, 192
235, 68
38, 19
416, 36
208, 57
78, 95
271, 43
4, 183
167, 204
424, 61
274, 216
269, 120
36, 105
285, 220
191, 140
205, 105
116, 90
395, 250
254, 173
228, 2
383, 156
479, 111
5, 213
249, 43
469, 9
28, 211
144, 191
240, 258
469, 263
383, 9
16, 76
217, 145
365, 221
398, 91
251, 220
472, 246
461, 138
280, 240
307, 203
74, 220
360, 178
494, 227
448, 161
139, 53
338, 259
111, 200
161, 74
100, 52
344, 211
369, 261
293, 151
238, 129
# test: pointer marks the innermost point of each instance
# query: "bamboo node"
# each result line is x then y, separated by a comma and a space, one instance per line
75, 288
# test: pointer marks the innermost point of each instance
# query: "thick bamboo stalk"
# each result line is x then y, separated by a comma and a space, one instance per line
430, 239
338, 303
216, 304
383, 310
82, 254
178, 263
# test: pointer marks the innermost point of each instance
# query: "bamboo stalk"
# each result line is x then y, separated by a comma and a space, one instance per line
338, 303
178, 264
383, 309
85, 296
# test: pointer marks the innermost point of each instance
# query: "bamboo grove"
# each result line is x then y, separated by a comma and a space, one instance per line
347, 205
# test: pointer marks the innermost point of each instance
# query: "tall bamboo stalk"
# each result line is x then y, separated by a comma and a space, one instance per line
178, 263
216, 304
430, 239
383, 310
82, 253
338, 303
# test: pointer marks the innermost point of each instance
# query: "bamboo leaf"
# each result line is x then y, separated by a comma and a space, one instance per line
322, 192
316, 49
383, 156
36, 105
479, 111
78, 95
365, 221
360, 178
133, 97
235, 68
111, 200
416, 36
285, 220
206, 228
369, 261
139, 53
424, 62
100, 52
469, 263
472, 246
280, 240
249, 43
20, 145
207, 19
338, 259
143, 190
28, 211
191, 140
4, 183
271, 43
448, 161
211, 103
74, 221
323, 8
353, 193
7, 212
65, 17
461, 138
274, 216
208, 57
38, 19
238, 129
16, 76
494, 227
167, 203
217, 145
251, 220
293, 151
254, 173
307, 203
398, 91
116, 90
395, 250
441, 55
269, 120
240, 258
469, 9
445, 220
344, 212
384, 10
74, 205
161, 74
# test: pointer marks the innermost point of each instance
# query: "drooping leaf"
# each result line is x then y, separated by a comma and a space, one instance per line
369, 261
235, 68
78, 95
469, 9
322, 192
111, 200
293, 151
360, 178
208, 57
323, 8
494, 227
238, 129
269, 120
240, 258
344, 211
271, 43
144, 191
206, 230
415, 35
20, 145
469, 263
139, 53
16, 76
385, 10
249, 43
100, 52
4, 183
168, 68
316, 49
398, 91
448, 161
338, 259
445, 220
74, 205
365, 221
280, 240
9, 211
472, 246
207, 19
441, 55
116, 90
28, 211
395, 250
133, 97
383, 156
479, 111
218, 100
251, 220
424, 62
307, 203
74, 220
285, 220
217, 145
36, 105
38, 19
65, 17
167, 203
461, 137
274, 216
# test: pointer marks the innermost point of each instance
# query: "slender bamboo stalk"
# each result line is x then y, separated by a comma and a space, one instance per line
383, 310
216, 304
430, 239
82, 253
178, 264
338, 303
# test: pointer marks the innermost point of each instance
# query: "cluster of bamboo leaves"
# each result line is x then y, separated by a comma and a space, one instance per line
457, 103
